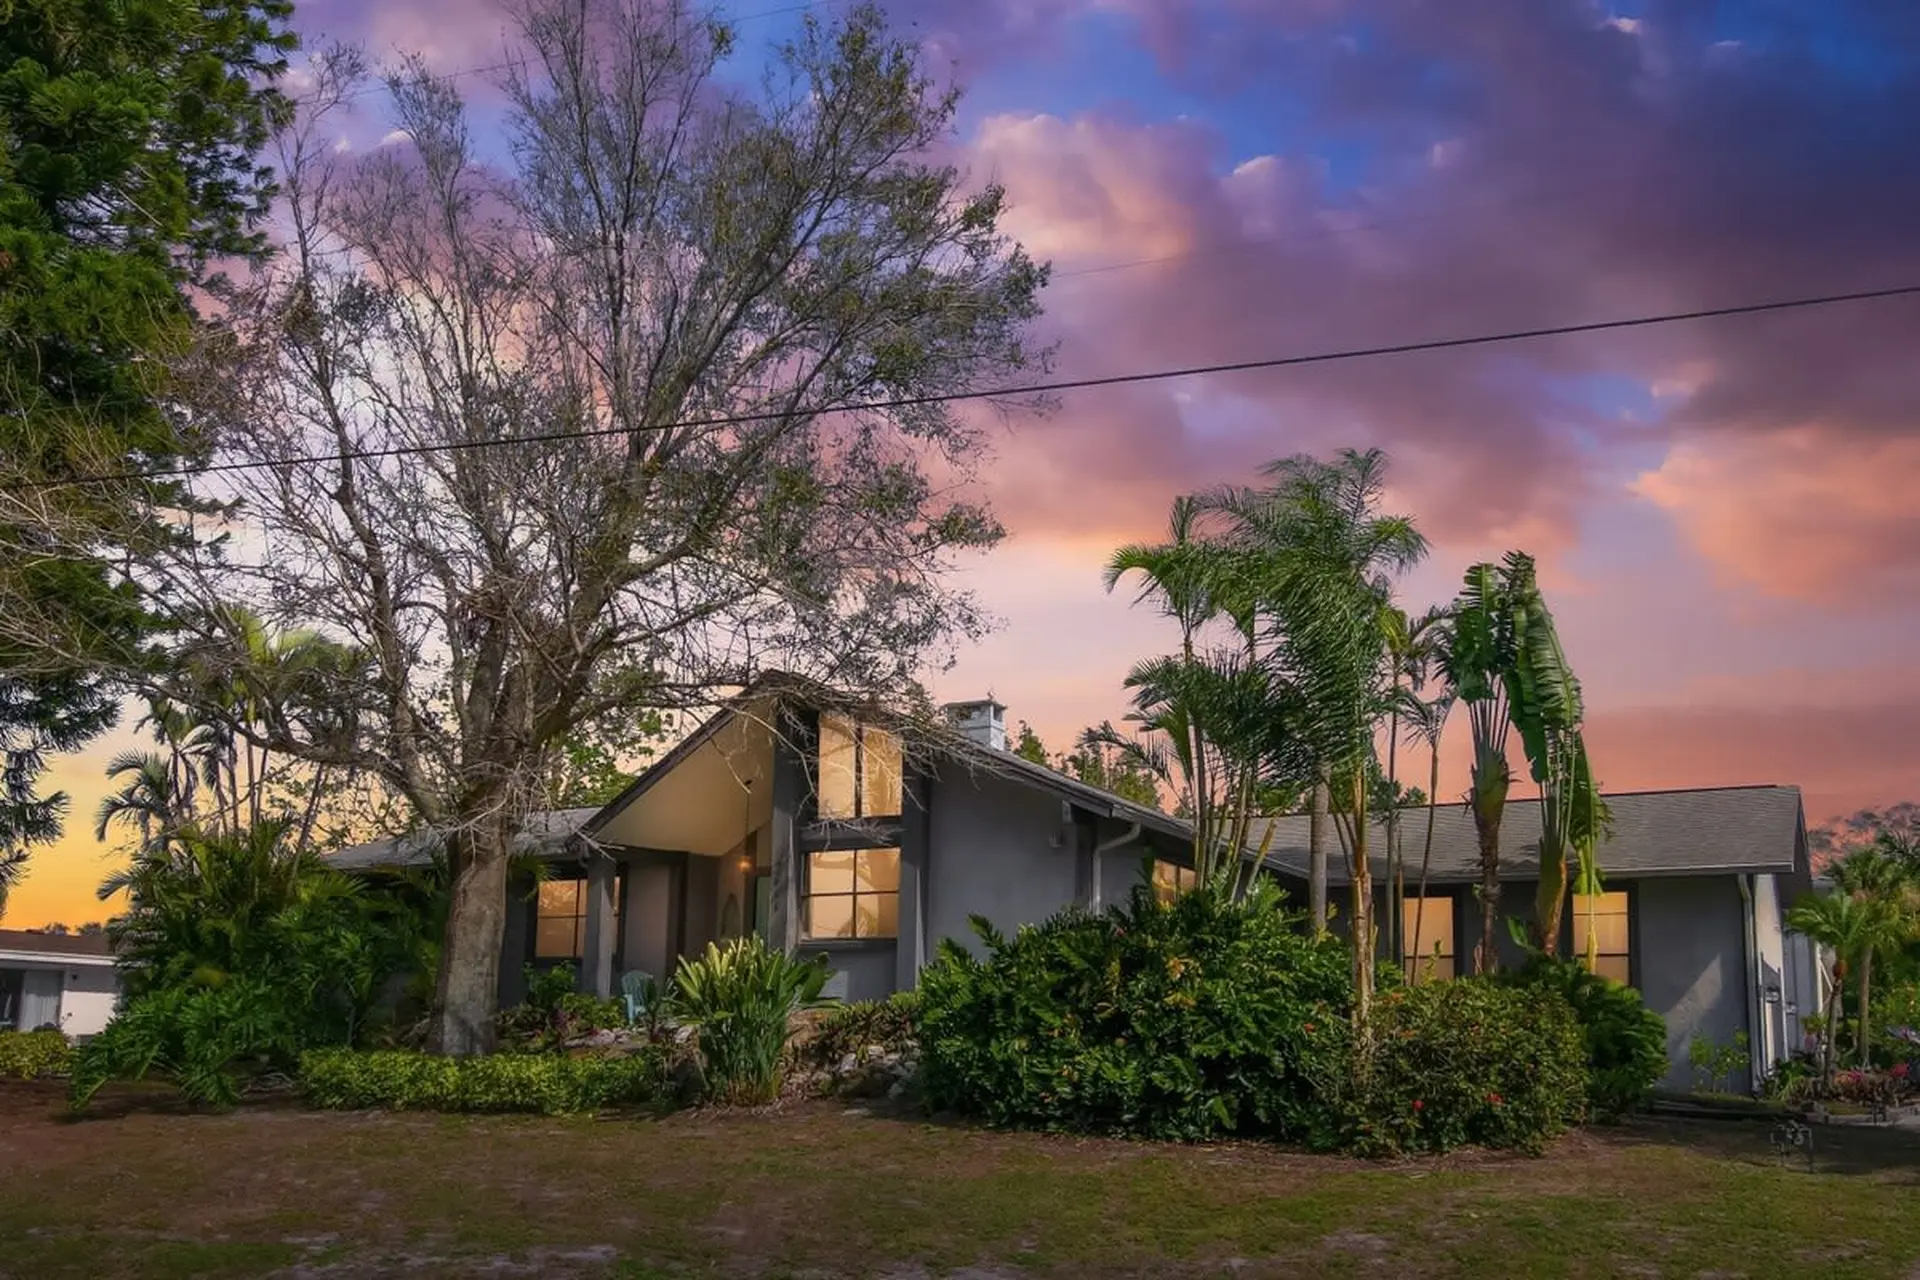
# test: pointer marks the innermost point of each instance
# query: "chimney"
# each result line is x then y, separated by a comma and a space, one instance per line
983, 721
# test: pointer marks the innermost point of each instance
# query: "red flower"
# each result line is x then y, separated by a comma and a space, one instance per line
1308, 1028
1494, 1098
1898, 1072
1418, 1104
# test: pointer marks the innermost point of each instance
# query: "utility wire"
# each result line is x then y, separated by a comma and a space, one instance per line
1020, 389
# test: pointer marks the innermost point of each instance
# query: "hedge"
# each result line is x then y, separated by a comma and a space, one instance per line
399, 1080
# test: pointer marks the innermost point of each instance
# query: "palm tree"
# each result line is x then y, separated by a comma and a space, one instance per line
155, 797
1319, 561
1475, 659
1838, 923
1412, 644
1883, 892
1429, 724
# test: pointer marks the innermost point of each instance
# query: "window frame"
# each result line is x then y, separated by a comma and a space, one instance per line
579, 878
1575, 943
1412, 961
858, 730
1185, 878
807, 895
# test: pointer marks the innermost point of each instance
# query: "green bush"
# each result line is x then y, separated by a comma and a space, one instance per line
398, 1080
554, 1013
1189, 1020
204, 1038
740, 1000
34, 1055
891, 1024
1467, 1062
1626, 1041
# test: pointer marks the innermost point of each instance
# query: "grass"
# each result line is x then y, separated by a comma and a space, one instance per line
819, 1193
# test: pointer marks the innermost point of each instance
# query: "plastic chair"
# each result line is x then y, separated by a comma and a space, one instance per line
637, 991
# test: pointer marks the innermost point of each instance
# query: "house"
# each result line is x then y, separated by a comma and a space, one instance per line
829, 827
840, 828
1695, 888
60, 980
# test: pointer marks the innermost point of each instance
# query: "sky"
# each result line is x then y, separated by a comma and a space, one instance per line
1724, 511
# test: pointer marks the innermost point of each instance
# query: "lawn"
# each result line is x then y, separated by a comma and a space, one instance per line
824, 1192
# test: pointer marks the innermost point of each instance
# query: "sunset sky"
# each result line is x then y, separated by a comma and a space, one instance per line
1727, 512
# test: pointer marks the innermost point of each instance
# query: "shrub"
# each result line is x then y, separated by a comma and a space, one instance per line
554, 1013
398, 1080
1467, 1062
34, 1055
1626, 1041
1189, 1020
740, 999
891, 1025
203, 1037
1714, 1063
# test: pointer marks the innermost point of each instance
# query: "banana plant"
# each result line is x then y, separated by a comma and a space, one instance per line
1475, 659
1545, 703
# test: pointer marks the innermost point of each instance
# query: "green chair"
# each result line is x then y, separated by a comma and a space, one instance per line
638, 991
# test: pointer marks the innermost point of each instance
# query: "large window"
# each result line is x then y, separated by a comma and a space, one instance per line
859, 770
1427, 925
853, 893
1603, 918
560, 919
1170, 880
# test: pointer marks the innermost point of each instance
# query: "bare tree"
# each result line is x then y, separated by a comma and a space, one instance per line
598, 437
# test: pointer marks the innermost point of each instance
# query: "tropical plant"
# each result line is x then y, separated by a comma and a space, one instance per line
1626, 1041
1428, 720
1545, 704
1207, 1016
1412, 646
1837, 924
1886, 899
1475, 660
740, 1000
1316, 572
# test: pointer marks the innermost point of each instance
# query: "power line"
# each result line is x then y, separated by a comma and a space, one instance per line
1022, 389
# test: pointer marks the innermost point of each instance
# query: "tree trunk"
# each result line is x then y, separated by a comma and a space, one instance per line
1831, 1031
468, 991
1550, 900
1317, 856
1866, 988
1426, 861
1396, 886
1486, 957
1364, 956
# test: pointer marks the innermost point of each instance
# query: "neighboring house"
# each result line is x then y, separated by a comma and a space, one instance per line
60, 980
836, 828
1696, 886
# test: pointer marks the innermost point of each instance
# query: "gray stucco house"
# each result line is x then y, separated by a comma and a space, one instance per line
1695, 889
842, 828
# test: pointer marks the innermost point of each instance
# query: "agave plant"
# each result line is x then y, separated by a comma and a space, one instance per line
740, 1000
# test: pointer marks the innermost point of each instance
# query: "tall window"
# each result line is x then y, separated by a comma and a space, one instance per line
858, 770
853, 893
1170, 880
560, 919
1430, 954
1604, 917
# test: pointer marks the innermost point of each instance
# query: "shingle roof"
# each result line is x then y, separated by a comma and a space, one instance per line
1716, 830
58, 944
543, 834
